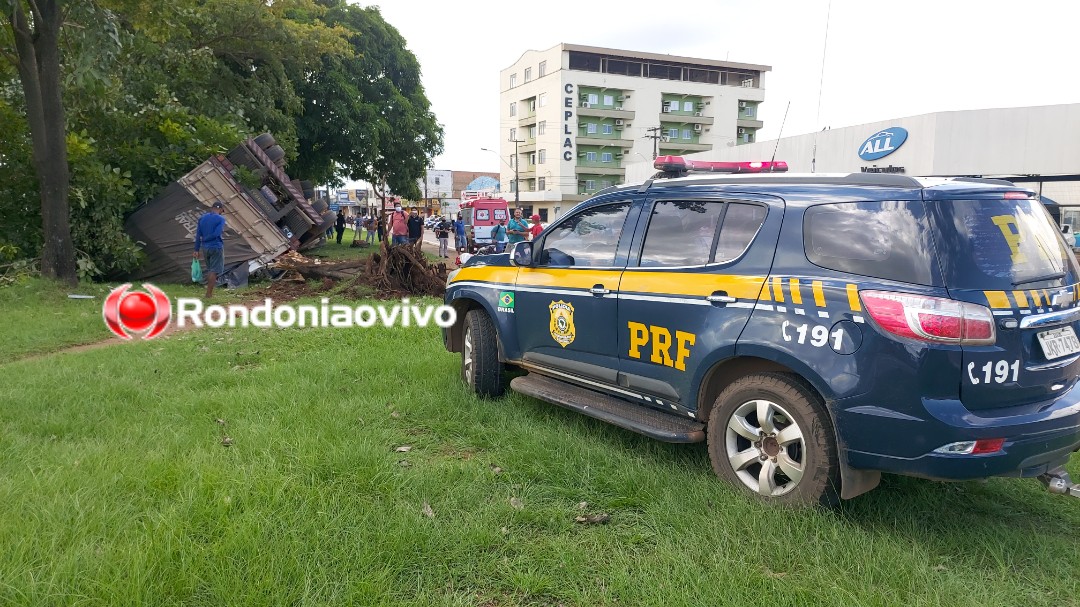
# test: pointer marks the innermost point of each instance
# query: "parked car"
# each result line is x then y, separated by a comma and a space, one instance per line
815, 330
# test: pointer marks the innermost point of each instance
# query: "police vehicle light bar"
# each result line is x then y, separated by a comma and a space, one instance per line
677, 164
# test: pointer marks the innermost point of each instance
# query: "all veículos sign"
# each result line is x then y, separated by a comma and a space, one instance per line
883, 143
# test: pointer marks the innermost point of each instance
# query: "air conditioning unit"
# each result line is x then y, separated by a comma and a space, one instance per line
700, 105
742, 104
585, 104
584, 96
618, 127
618, 122
618, 155
697, 128
621, 98
698, 114
618, 108
665, 139
742, 131
581, 154
666, 109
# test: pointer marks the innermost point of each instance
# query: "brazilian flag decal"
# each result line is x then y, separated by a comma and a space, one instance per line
506, 299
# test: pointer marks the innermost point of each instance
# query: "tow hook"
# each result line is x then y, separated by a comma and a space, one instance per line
1058, 481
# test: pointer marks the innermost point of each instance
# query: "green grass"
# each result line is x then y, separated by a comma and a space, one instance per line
332, 251
116, 489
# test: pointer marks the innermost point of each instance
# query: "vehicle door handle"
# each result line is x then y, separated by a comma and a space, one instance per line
720, 297
599, 290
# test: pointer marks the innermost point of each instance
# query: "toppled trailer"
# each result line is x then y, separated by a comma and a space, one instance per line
261, 222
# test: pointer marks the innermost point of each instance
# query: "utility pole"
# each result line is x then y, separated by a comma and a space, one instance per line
517, 182
655, 136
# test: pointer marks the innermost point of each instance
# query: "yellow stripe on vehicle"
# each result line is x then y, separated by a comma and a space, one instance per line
1046, 297
1037, 298
796, 296
693, 284
853, 298
557, 278
819, 295
1021, 299
500, 274
778, 289
997, 299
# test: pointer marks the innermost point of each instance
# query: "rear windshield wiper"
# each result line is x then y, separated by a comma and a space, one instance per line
1040, 279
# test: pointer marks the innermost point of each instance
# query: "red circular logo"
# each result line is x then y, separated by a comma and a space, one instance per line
137, 311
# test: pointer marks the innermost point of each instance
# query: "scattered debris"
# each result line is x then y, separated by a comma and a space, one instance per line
404, 463
496, 470
403, 268
516, 503
73, 296
593, 519
395, 414
428, 512
404, 449
226, 441
582, 505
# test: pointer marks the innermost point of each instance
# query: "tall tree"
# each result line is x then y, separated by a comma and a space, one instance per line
366, 115
35, 27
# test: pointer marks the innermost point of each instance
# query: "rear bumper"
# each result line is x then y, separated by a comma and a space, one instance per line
1038, 438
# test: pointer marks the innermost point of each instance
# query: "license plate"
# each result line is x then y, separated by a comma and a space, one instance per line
1059, 342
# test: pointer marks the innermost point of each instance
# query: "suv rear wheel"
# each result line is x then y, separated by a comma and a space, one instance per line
480, 366
770, 434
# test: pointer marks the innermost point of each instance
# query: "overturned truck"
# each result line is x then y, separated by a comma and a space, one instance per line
266, 214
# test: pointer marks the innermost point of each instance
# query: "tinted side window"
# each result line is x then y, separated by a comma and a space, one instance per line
588, 238
741, 223
680, 233
888, 240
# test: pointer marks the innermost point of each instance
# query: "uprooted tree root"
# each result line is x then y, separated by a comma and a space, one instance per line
392, 271
403, 269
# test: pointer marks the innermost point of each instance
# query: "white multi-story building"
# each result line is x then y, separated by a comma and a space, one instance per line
573, 117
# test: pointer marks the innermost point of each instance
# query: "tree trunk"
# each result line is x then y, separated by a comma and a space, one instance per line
38, 51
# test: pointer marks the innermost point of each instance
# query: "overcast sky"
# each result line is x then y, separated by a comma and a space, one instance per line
883, 59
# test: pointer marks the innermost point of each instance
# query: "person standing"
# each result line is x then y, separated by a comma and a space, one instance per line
535, 229
399, 226
208, 240
369, 225
500, 236
416, 227
442, 232
459, 233
340, 224
518, 229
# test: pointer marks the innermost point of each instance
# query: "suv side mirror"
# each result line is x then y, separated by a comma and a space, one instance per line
521, 254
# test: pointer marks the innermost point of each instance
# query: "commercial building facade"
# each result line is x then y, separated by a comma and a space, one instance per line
1036, 147
572, 117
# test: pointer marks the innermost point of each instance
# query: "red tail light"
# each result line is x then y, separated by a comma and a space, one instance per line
930, 319
988, 445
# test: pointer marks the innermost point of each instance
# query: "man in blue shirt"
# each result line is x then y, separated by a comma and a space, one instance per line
459, 234
208, 238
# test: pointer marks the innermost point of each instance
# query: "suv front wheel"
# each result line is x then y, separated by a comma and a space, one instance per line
480, 366
771, 435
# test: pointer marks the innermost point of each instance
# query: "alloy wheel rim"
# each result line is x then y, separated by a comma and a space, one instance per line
765, 447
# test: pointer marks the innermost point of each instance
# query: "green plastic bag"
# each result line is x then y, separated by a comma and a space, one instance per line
196, 271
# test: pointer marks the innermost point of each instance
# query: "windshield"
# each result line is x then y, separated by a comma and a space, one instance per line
1001, 244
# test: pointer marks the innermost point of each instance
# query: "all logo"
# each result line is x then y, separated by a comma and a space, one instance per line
562, 323
883, 143
146, 313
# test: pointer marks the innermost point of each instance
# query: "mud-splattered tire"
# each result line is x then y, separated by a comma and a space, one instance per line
770, 435
480, 366
266, 140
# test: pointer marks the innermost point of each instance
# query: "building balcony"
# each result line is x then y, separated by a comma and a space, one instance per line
526, 148
607, 168
604, 141
605, 113
749, 123
676, 146
527, 120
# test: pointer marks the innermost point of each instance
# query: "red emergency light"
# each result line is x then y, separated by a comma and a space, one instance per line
677, 164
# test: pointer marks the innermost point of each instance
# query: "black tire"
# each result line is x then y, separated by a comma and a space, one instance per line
308, 189
265, 141
319, 205
797, 434
276, 154
480, 367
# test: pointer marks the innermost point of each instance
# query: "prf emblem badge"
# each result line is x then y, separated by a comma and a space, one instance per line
562, 323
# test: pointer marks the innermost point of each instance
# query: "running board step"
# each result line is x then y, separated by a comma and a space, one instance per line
637, 418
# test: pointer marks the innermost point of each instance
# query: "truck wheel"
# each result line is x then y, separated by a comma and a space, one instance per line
264, 141
770, 434
276, 154
319, 206
480, 366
